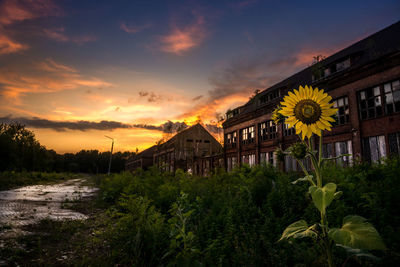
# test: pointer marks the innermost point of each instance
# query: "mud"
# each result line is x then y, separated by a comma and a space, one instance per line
30, 204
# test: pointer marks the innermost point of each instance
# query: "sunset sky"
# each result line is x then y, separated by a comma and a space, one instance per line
74, 71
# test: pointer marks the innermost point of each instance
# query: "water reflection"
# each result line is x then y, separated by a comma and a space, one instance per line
30, 204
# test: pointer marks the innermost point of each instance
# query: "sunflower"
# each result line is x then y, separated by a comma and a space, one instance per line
308, 110
277, 117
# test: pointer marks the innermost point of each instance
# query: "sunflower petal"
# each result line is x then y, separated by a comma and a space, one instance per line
329, 112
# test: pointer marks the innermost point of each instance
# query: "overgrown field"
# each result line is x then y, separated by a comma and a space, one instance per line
229, 219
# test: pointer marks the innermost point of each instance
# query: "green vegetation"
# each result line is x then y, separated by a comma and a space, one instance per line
152, 218
355, 235
20, 151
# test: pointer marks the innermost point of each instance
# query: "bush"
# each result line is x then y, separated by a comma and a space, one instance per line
236, 218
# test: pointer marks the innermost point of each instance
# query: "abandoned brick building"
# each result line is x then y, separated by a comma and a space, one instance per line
364, 81
194, 150
141, 160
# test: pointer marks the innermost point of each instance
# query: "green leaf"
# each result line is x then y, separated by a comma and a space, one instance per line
338, 194
298, 229
303, 179
357, 233
322, 197
358, 252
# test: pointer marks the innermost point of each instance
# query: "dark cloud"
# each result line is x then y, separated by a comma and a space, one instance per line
35, 122
197, 98
151, 96
134, 28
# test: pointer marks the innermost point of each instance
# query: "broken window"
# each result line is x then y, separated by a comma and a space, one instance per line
290, 164
245, 159
343, 115
288, 130
269, 97
343, 65
392, 96
231, 163
268, 130
374, 148
230, 140
372, 100
248, 135
343, 148
252, 160
267, 158
370, 103
263, 158
327, 150
394, 143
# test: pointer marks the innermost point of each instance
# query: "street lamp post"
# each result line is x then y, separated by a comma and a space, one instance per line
112, 146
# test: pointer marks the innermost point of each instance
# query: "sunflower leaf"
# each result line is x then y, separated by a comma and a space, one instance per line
299, 229
358, 252
357, 233
322, 197
303, 179
338, 194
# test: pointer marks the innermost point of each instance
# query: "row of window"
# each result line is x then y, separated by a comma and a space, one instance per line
374, 149
268, 131
380, 100
250, 159
338, 66
374, 102
269, 97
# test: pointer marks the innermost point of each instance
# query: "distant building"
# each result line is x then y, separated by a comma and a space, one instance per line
364, 81
185, 148
141, 160
193, 150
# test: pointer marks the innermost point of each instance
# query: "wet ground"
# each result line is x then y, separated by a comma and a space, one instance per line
31, 204
23, 208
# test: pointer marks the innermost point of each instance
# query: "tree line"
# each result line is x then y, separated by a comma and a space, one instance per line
21, 151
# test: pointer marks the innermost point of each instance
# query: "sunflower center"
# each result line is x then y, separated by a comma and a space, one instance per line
307, 111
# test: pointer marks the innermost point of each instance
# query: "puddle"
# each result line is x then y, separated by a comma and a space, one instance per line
30, 204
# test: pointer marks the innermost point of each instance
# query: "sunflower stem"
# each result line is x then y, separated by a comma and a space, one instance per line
305, 171
320, 150
315, 163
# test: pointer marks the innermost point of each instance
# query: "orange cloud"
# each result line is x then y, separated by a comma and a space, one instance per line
306, 57
51, 66
48, 77
13, 11
180, 40
8, 46
59, 35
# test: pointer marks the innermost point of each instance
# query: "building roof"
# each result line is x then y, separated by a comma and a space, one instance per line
177, 135
375, 46
147, 153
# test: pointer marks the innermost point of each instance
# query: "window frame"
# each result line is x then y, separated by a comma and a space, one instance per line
269, 132
365, 108
247, 135
346, 106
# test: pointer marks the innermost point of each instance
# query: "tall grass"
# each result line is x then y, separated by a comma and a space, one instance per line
236, 218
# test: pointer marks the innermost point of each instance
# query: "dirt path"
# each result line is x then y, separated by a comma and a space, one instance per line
30, 204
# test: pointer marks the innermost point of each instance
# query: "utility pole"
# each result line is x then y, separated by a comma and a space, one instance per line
112, 146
